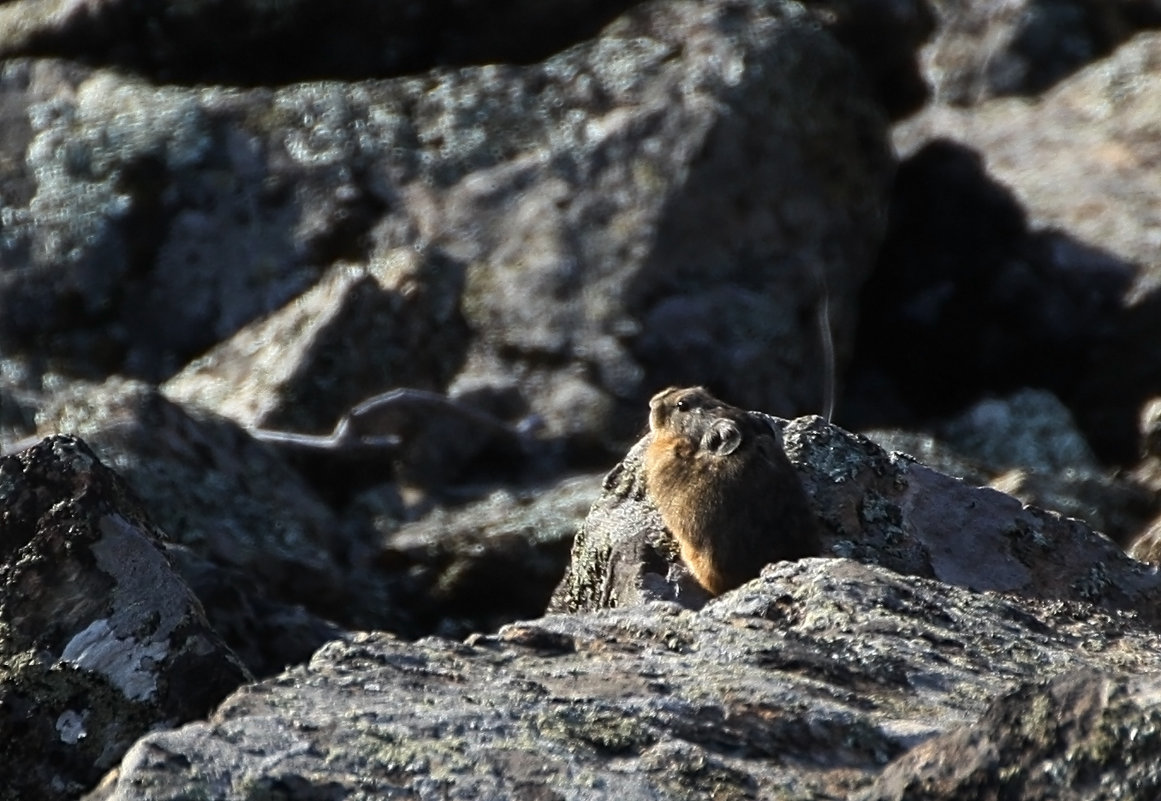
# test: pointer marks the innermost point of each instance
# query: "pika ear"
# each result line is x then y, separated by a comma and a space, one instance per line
774, 430
723, 438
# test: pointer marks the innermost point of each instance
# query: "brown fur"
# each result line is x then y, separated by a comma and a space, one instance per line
725, 488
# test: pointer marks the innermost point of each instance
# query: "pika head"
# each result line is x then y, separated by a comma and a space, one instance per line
724, 487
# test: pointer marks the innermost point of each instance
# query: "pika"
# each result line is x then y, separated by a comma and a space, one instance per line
724, 487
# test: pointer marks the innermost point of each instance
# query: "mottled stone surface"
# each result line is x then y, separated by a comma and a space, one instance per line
987, 48
100, 640
804, 683
667, 201
269, 559
1078, 162
875, 507
1083, 736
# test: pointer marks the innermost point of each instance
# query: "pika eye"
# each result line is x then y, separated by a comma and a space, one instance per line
682, 405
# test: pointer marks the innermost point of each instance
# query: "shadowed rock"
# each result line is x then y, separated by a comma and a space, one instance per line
100, 640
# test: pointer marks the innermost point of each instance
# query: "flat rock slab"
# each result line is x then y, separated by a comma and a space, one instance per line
804, 683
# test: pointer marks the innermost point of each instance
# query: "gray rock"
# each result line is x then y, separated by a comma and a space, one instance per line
235, 504
362, 328
660, 204
100, 640
1077, 737
1118, 504
473, 567
879, 508
985, 48
138, 228
1031, 429
804, 683
1075, 159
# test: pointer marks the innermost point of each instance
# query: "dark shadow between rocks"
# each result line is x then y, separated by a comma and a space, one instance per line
253, 42
967, 300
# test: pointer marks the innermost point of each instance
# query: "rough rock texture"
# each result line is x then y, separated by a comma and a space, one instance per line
1121, 505
240, 510
801, 684
1079, 160
292, 371
879, 508
985, 48
661, 203
1034, 452
100, 640
1084, 736
474, 567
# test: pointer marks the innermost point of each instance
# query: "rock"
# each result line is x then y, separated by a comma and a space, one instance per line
1147, 545
661, 203
805, 682
475, 567
985, 49
1030, 429
932, 452
292, 370
1078, 736
1118, 504
254, 42
145, 228
1077, 159
883, 509
235, 504
21, 394
969, 301
885, 36
101, 640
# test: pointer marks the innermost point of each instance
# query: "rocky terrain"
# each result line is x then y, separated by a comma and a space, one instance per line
326, 339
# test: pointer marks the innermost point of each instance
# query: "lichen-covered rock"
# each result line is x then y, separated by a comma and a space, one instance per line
804, 683
237, 506
879, 508
668, 201
100, 640
985, 48
1085, 736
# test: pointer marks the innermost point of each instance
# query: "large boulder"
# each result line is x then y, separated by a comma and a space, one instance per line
807, 681
675, 199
